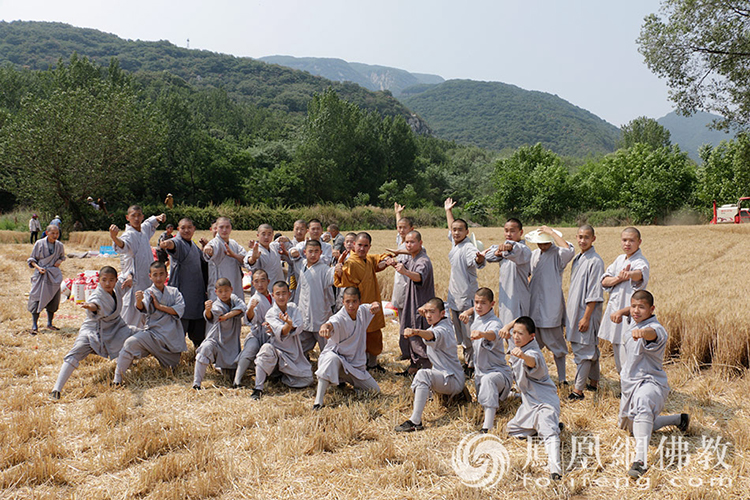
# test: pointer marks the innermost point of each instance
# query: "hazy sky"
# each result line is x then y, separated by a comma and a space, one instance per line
582, 50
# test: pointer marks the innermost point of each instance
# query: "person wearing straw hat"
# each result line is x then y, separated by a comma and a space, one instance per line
547, 301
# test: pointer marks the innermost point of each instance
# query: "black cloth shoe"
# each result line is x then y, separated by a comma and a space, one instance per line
555, 477
55, 396
684, 422
574, 396
483, 431
236, 386
376, 368
257, 393
637, 469
317, 407
592, 388
409, 426
197, 387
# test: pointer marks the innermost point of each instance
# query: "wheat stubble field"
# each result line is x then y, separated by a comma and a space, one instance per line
157, 438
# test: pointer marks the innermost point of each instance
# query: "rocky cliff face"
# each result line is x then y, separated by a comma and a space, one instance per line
418, 125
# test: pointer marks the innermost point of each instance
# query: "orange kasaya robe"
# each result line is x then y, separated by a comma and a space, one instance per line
361, 274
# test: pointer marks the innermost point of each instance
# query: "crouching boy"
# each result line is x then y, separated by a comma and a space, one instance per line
344, 359
539, 413
103, 332
223, 327
283, 352
446, 375
164, 337
643, 380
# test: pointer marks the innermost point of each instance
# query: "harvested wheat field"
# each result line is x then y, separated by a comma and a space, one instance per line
157, 438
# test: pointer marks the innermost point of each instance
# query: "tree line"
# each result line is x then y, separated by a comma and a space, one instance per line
80, 129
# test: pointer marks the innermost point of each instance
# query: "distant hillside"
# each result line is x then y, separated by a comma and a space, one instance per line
499, 116
367, 75
38, 45
692, 132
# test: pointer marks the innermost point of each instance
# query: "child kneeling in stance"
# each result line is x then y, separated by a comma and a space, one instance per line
163, 337
643, 380
446, 375
283, 352
103, 332
223, 325
539, 413
343, 358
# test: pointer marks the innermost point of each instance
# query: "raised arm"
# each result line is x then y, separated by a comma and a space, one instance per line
448, 205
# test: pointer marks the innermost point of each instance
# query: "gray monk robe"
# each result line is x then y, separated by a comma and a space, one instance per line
163, 337
102, 332
343, 359
222, 343
513, 295
225, 266
45, 287
283, 352
417, 294
135, 259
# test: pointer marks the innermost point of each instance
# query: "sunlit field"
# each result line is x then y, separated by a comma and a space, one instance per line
158, 438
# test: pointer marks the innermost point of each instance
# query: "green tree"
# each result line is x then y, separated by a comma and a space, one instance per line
649, 182
644, 130
724, 175
90, 137
533, 184
702, 48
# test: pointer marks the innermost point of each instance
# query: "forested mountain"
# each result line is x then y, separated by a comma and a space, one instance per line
692, 132
367, 75
39, 45
499, 116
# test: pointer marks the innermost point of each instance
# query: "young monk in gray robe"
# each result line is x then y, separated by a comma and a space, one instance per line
223, 327
643, 380
267, 254
46, 257
547, 301
259, 305
134, 248
315, 297
283, 352
404, 225
103, 332
446, 375
539, 413
420, 287
164, 337
584, 312
344, 359
492, 376
465, 259
628, 273
227, 257
514, 256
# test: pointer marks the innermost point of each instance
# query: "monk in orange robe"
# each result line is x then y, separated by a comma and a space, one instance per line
359, 270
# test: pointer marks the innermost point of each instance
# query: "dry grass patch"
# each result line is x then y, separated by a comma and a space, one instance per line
157, 438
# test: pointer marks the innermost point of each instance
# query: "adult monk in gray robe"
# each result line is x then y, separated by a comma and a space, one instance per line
46, 257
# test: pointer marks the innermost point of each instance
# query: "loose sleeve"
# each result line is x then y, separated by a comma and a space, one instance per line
490, 254
179, 304
594, 290
520, 254
609, 273
642, 266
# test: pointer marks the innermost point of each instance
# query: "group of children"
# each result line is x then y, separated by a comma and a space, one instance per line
330, 296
